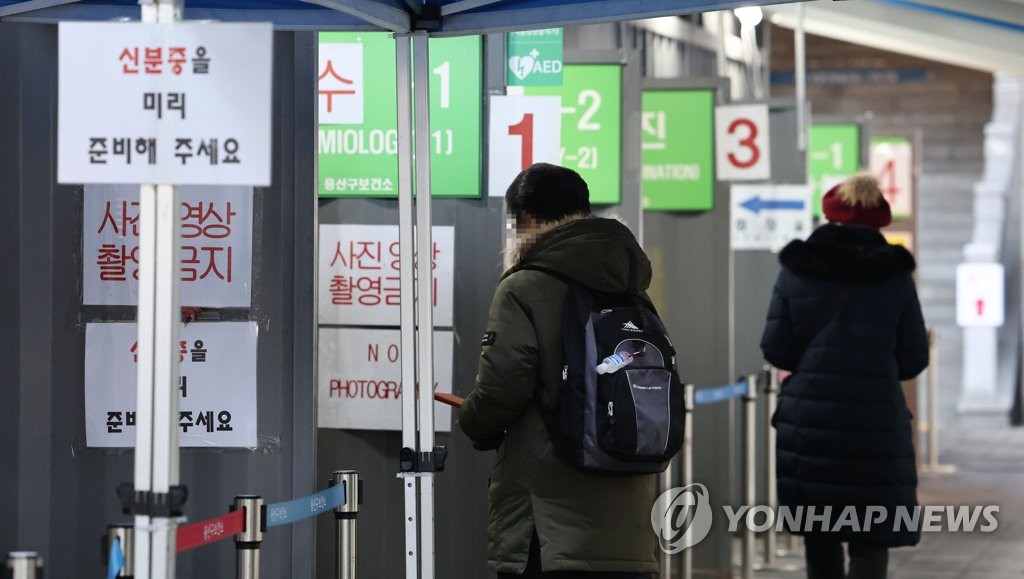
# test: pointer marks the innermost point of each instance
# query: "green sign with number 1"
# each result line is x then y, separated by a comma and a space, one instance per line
591, 126
833, 155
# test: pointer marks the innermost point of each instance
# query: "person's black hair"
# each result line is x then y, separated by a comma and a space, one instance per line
548, 192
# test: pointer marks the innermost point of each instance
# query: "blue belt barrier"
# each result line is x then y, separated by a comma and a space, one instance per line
720, 394
289, 512
116, 559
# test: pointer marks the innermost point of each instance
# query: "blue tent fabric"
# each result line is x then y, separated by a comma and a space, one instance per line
440, 17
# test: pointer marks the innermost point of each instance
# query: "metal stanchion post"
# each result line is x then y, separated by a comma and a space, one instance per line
25, 565
749, 480
771, 393
125, 534
345, 520
666, 481
687, 468
247, 543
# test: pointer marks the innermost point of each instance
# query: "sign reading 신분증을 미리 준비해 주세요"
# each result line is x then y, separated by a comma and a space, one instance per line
359, 275
176, 104
216, 246
360, 378
216, 387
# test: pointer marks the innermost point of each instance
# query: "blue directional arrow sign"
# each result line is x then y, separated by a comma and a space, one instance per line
756, 205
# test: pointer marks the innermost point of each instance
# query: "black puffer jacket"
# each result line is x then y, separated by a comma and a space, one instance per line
844, 433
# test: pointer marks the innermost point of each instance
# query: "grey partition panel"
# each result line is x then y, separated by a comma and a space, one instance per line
56, 495
692, 289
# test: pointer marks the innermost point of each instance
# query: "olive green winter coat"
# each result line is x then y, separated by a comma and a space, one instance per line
585, 522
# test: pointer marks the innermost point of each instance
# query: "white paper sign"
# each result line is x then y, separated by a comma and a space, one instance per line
340, 83
523, 130
979, 295
741, 143
183, 103
216, 246
360, 379
767, 217
359, 275
217, 387
893, 163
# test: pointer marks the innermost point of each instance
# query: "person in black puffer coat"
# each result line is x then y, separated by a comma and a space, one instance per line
846, 320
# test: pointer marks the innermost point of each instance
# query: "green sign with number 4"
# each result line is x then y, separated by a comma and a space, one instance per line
591, 126
358, 132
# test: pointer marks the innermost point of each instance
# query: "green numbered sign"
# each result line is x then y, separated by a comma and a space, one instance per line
678, 150
591, 126
832, 156
358, 133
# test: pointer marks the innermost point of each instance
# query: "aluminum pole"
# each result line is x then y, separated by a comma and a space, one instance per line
345, 518
247, 543
800, 56
406, 281
771, 394
687, 468
750, 467
425, 283
25, 565
667, 480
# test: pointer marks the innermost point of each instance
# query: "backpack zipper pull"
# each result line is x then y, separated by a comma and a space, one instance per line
611, 411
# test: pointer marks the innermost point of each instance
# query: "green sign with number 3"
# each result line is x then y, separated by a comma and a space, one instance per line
591, 126
357, 155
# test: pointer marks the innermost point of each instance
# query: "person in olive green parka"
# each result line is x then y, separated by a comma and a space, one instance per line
544, 515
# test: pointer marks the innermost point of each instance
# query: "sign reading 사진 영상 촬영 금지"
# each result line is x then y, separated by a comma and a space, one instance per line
358, 133
182, 104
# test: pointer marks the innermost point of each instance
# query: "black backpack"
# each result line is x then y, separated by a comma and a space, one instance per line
629, 421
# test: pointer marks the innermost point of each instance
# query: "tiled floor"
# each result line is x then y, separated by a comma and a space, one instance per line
989, 457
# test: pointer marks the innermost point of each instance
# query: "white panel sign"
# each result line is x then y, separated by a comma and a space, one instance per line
979, 295
893, 163
340, 83
741, 143
767, 217
360, 379
217, 388
216, 246
359, 275
184, 103
523, 130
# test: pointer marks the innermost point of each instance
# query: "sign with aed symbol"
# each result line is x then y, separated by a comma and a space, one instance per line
176, 104
523, 130
360, 379
892, 161
979, 295
741, 143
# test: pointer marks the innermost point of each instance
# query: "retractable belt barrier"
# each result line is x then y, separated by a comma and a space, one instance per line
248, 520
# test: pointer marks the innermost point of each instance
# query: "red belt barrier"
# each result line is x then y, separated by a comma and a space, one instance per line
210, 531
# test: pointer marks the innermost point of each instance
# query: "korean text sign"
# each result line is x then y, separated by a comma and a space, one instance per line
360, 379
217, 384
678, 149
534, 58
181, 104
591, 126
216, 246
358, 132
359, 275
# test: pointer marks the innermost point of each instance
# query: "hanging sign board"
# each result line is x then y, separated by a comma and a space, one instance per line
177, 104
591, 126
678, 137
833, 155
767, 217
522, 131
217, 387
892, 161
979, 295
216, 246
741, 143
360, 379
534, 58
359, 275
357, 105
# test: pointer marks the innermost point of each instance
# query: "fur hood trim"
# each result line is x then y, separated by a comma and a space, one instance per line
847, 253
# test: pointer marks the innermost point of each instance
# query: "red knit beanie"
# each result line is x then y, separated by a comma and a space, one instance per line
837, 211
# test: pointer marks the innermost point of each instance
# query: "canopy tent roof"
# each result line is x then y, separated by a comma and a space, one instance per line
441, 17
